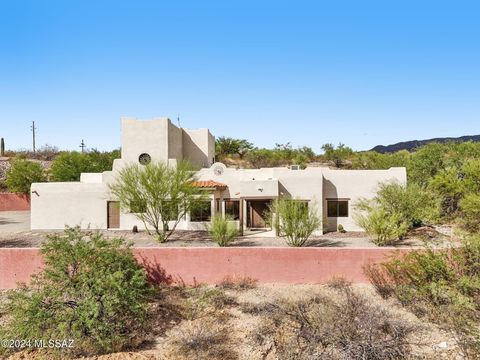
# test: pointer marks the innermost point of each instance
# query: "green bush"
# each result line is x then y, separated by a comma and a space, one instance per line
91, 290
394, 210
384, 228
414, 205
341, 229
470, 213
22, 174
222, 230
441, 285
295, 220
70, 164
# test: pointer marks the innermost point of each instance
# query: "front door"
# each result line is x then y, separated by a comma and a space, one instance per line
113, 214
257, 213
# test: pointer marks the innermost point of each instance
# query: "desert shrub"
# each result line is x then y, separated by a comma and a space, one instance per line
395, 210
204, 301
441, 285
238, 283
414, 205
384, 228
222, 230
22, 174
295, 220
341, 229
206, 339
470, 213
348, 326
91, 290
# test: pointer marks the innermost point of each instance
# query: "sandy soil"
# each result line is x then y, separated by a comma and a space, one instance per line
430, 342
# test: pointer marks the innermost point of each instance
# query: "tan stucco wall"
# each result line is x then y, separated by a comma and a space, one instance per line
148, 136
198, 147
55, 205
353, 185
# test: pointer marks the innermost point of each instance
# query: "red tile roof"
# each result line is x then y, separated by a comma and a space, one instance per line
209, 184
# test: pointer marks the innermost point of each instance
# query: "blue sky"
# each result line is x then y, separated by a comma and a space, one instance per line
306, 72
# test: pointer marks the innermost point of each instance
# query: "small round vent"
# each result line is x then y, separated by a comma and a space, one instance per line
144, 159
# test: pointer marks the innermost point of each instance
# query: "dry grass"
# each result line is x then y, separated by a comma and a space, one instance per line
238, 283
206, 339
322, 328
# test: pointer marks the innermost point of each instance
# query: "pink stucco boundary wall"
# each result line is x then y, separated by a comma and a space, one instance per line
14, 202
211, 265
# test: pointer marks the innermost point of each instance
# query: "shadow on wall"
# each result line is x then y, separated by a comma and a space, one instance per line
193, 153
156, 274
329, 192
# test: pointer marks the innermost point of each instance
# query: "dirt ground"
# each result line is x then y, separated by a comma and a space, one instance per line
428, 342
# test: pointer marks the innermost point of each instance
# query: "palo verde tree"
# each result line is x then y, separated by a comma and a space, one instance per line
158, 194
230, 146
338, 154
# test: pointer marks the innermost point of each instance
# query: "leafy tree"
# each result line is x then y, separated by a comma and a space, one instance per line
338, 154
295, 220
91, 290
70, 164
415, 205
22, 174
158, 194
230, 146
222, 230
426, 162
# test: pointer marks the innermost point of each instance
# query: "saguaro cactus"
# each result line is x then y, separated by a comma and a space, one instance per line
2, 147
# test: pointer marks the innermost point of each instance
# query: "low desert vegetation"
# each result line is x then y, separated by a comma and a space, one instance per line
223, 230
238, 283
91, 290
442, 286
22, 174
395, 210
347, 326
294, 220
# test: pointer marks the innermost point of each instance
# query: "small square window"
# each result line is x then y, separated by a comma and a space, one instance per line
337, 208
201, 212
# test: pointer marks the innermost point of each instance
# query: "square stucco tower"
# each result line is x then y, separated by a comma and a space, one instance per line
165, 142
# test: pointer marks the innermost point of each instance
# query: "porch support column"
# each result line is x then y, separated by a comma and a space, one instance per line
241, 217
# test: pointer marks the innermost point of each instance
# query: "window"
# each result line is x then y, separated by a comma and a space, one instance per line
201, 211
232, 209
337, 208
138, 206
144, 159
170, 210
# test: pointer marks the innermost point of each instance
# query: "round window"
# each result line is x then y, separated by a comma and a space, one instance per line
144, 159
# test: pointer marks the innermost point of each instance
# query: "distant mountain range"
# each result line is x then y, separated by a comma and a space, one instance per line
412, 145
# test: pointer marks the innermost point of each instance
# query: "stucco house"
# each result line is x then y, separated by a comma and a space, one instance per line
244, 194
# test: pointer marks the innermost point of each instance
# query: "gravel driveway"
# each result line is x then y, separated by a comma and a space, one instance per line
14, 221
